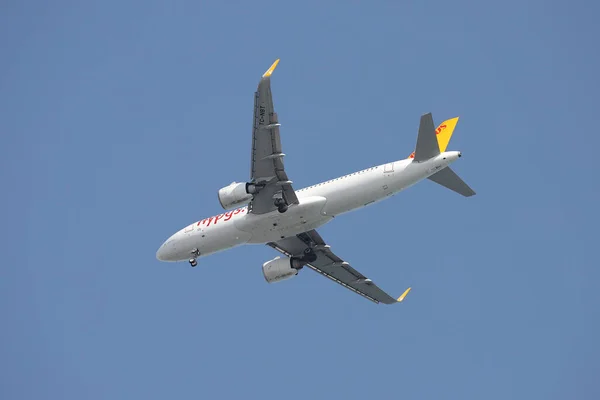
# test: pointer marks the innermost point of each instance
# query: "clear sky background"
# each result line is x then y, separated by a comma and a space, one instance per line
120, 120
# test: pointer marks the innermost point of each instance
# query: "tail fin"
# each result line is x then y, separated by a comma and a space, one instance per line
448, 178
427, 145
443, 133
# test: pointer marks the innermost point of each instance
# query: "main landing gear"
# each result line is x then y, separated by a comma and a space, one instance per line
280, 204
309, 255
193, 262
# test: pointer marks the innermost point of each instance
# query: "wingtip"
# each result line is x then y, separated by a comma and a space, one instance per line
403, 295
271, 69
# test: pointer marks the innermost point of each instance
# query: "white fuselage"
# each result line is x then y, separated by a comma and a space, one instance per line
318, 205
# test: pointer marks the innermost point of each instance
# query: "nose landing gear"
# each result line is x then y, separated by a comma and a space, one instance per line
195, 253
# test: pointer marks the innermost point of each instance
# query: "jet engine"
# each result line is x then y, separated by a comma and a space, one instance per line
236, 194
279, 269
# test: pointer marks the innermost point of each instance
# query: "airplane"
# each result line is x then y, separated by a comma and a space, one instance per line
267, 210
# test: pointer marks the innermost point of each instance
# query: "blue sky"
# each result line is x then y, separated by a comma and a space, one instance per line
121, 120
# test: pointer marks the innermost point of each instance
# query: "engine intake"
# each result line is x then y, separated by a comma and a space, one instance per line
236, 194
280, 269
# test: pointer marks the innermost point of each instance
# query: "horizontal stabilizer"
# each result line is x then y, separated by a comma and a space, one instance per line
427, 143
449, 179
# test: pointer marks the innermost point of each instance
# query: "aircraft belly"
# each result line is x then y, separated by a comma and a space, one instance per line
411, 174
360, 191
356, 193
221, 237
298, 218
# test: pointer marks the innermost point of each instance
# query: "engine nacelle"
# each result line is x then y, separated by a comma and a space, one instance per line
236, 194
279, 269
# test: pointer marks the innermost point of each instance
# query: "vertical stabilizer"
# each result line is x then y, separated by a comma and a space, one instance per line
427, 143
444, 133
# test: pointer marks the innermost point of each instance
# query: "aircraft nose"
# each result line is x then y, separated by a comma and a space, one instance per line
166, 251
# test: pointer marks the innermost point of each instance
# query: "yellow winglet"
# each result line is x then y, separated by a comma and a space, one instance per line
403, 295
271, 69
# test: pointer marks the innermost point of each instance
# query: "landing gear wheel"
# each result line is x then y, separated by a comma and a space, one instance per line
309, 255
193, 262
280, 204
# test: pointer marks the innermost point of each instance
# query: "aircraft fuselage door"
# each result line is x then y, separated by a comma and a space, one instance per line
388, 168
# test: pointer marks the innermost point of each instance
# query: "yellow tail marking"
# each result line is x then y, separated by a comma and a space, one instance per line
403, 295
271, 69
443, 133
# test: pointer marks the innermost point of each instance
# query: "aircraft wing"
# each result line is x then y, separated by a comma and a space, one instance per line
266, 168
333, 267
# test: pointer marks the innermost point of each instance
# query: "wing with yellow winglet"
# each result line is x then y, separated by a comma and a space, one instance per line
328, 264
266, 168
